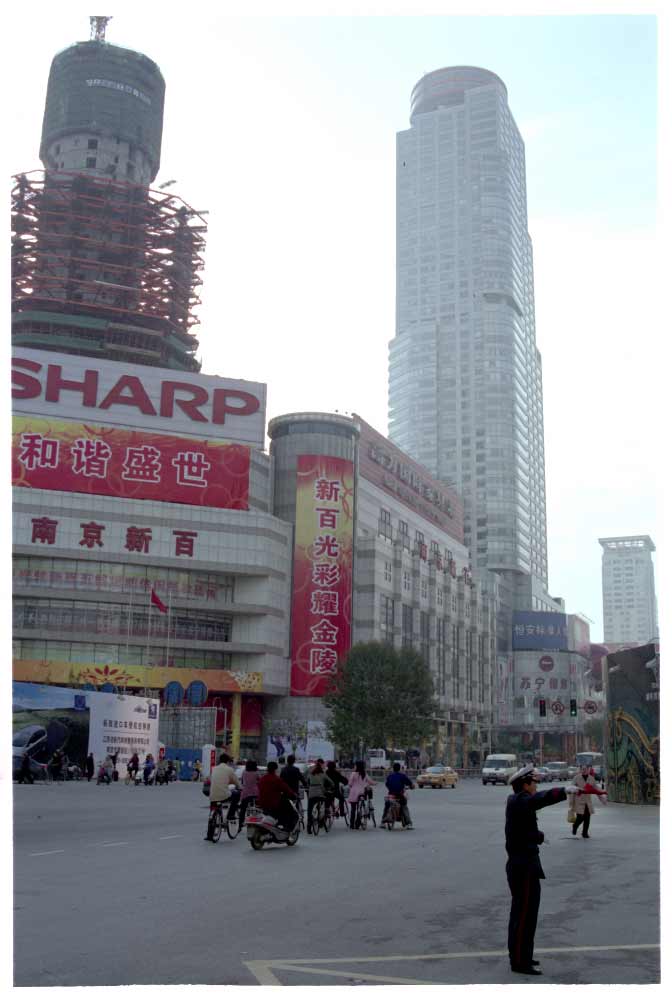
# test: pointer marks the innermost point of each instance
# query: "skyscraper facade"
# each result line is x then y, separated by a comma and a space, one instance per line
465, 387
628, 590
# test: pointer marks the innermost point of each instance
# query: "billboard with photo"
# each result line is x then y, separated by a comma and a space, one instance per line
80, 458
322, 592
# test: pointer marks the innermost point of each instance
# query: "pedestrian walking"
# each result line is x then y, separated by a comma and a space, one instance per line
523, 867
581, 804
115, 775
90, 766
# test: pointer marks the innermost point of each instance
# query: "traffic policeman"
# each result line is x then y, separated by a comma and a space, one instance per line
523, 868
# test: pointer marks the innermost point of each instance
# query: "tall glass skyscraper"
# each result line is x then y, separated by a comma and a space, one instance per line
465, 393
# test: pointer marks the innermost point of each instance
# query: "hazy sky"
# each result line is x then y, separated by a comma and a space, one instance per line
283, 128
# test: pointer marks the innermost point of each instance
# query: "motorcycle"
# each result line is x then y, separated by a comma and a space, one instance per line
395, 813
264, 829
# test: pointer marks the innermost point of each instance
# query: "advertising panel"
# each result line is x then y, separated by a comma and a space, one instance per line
47, 718
391, 470
136, 676
322, 595
142, 398
539, 631
306, 747
122, 724
77, 457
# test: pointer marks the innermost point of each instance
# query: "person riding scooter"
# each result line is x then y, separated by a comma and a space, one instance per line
396, 783
274, 798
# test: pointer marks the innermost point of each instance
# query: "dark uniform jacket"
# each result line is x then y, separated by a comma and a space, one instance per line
523, 836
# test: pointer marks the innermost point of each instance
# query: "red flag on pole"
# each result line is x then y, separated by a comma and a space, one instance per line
156, 601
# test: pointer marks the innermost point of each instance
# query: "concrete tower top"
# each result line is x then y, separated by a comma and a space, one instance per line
446, 87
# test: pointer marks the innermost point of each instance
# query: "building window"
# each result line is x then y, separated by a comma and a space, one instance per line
406, 626
407, 581
387, 618
388, 571
90, 162
439, 596
385, 524
424, 636
92, 145
404, 538
423, 588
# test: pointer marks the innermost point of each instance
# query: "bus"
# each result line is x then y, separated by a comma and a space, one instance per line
381, 759
594, 759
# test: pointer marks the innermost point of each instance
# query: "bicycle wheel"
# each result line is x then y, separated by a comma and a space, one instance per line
328, 820
372, 817
315, 818
232, 827
217, 825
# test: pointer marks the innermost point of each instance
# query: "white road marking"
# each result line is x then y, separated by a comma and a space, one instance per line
263, 970
171, 836
43, 852
115, 843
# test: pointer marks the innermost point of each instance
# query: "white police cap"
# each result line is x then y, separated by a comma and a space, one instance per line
524, 772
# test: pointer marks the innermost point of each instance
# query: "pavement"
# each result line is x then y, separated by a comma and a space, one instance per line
115, 885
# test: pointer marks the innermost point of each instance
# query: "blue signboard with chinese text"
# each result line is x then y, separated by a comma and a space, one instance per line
539, 631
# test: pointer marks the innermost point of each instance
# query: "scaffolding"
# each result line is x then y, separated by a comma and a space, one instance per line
88, 251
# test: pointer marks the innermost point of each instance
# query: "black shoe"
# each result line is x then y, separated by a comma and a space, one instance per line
534, 962
527, 970
585, 836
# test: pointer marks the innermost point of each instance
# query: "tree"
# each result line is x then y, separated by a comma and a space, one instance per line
380, 698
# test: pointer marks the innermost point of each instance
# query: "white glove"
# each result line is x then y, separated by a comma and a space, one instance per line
571, 789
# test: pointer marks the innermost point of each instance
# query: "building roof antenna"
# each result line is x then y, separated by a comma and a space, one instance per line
98, 26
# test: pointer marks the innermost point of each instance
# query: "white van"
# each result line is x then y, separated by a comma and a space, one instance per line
498, 768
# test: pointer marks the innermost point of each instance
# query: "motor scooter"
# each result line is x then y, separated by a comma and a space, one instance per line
395, 813
263, 829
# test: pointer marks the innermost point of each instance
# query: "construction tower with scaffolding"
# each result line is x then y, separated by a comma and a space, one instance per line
102, 264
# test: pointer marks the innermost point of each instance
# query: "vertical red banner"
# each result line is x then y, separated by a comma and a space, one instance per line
322, 595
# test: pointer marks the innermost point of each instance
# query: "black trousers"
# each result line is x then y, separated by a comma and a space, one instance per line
581, 817
525, 896
243, 807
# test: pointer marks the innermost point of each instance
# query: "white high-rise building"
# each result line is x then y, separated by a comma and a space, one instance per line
628, 590
465, 393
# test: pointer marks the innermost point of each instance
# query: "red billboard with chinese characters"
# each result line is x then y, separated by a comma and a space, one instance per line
322, 596
50, 454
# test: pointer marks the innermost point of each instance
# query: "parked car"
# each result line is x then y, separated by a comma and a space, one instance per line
558, 771
542, 773
38, 770
437, 776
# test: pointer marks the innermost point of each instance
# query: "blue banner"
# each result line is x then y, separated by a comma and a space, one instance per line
539, 631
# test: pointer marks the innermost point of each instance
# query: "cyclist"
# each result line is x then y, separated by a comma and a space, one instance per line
221, 777
249, 788
396, 783
339, 782
275, 797
291, 775
320, 789
359, 784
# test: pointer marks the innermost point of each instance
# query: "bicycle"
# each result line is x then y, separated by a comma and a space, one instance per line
365, 813
216, 822
320, 817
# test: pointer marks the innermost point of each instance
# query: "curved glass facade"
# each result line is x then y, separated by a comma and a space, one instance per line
465, 395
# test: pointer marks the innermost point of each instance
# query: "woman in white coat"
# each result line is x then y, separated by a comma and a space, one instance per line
582, 804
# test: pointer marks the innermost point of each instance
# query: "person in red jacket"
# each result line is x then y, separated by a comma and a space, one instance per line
274, 798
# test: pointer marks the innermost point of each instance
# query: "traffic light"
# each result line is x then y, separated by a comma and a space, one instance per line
542, 708
572, 707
